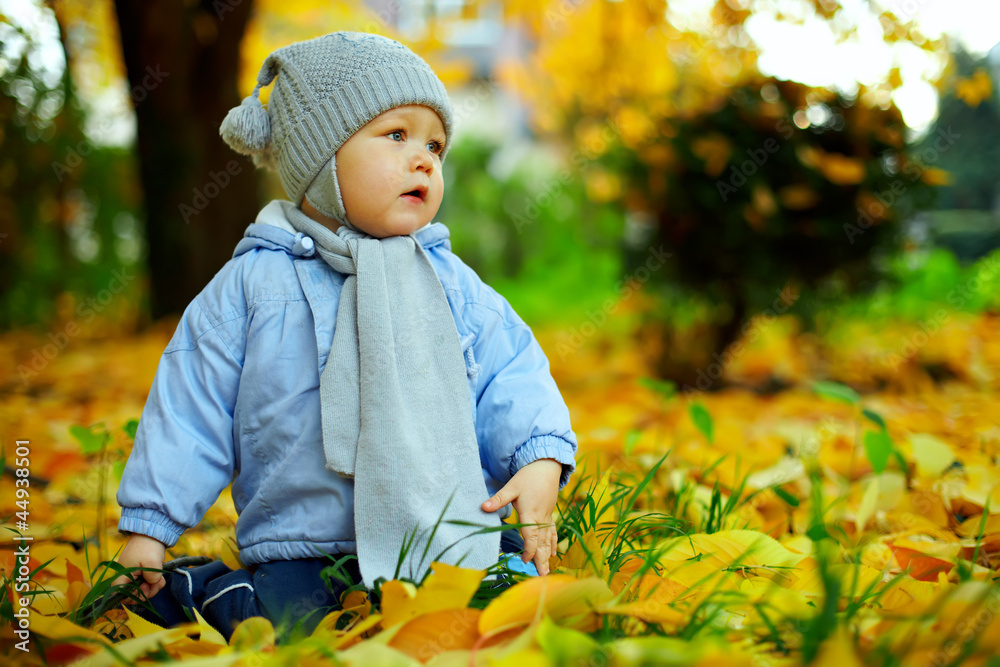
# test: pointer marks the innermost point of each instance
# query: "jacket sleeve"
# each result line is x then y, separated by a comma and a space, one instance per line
520, 415
184, 456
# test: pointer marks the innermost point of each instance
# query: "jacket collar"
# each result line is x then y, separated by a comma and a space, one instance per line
272, 230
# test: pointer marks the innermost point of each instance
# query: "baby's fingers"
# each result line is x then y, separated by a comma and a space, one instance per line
530, 535
150, 589
544, 549
122, 579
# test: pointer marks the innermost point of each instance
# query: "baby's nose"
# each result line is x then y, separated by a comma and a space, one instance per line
421, 159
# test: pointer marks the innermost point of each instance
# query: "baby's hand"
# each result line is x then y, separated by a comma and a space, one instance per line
144, 551
533, 490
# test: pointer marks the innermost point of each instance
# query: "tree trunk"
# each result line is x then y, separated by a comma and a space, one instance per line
182, 60
696, 359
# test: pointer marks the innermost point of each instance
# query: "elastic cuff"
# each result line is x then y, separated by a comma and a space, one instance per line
546, 447
151, 523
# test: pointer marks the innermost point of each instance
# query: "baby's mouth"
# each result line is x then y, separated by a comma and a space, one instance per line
417, 194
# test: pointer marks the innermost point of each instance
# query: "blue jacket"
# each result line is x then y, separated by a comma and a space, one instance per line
235, 399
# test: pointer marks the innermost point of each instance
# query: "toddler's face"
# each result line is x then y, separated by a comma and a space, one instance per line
383, 163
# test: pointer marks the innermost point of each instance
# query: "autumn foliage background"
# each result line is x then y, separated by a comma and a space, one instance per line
771, 308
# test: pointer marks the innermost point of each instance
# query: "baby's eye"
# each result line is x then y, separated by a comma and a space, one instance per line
394, 133
436, 147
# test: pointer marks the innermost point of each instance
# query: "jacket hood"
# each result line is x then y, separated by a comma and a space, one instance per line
271, 230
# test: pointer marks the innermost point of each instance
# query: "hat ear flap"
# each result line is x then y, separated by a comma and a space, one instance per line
247, 128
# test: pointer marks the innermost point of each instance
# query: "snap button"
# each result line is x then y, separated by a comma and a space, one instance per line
303, 245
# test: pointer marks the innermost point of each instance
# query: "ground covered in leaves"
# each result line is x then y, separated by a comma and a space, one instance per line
815, 525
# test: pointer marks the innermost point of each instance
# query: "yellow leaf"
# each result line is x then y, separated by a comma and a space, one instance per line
558, 595
908, 596
786, 603
971, 526
447, 587
732, 549
139, 626
895, 80
136, 647
345, 638
936, 177
602, 185
253, 634
529, 657
763, 200
648, 611
231, 554
931, 454
867, 507
365, 654
328, 624
837, 651
459, 658
842, 169
982, 486
975, 89
714, 150
76, 592
208, 633
809, 156
855, 578
585, 552
55, 627
878, 555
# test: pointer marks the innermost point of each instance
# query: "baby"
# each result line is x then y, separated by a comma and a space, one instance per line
363, 391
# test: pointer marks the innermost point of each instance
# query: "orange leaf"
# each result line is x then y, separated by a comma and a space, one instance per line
73, 573
436, 632
921, 566
358, 602
798, 197
447, 587
75, 592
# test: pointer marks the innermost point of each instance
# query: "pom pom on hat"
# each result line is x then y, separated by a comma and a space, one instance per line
247, 128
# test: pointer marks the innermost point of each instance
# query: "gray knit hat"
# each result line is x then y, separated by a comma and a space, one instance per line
329, 88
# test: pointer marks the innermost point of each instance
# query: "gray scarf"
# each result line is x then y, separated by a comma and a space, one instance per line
396, 412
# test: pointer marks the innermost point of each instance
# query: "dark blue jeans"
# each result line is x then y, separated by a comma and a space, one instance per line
285, 592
